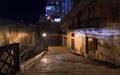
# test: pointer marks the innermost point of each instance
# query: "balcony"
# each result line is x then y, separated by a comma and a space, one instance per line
63, 32
73, 26
90, 23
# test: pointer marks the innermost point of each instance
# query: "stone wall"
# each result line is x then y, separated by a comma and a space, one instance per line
26, 35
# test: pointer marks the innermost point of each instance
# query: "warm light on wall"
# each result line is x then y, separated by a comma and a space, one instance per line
20, 36
79, 33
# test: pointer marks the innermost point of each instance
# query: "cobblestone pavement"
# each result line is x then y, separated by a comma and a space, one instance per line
59, 61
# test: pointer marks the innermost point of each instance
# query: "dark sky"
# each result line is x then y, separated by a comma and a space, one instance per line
28, 10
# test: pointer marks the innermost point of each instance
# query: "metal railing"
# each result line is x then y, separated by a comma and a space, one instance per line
90, 23
9, 59
23, 56
108, 58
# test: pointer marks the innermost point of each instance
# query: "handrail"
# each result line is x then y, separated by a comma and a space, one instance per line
9, 59
23, 55
105, 55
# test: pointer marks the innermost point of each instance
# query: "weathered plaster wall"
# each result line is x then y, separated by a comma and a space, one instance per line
80, 42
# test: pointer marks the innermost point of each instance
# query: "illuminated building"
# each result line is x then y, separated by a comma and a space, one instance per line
57, 9
92, 29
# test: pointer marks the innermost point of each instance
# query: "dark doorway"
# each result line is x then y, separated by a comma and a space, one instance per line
72, 44
92, 46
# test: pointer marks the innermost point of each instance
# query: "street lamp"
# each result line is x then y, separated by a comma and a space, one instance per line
45, 41
44, 34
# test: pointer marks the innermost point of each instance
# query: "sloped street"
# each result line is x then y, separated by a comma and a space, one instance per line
59, 61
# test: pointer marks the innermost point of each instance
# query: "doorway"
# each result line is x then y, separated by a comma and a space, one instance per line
91, 46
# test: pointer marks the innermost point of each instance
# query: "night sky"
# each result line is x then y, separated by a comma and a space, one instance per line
26, 10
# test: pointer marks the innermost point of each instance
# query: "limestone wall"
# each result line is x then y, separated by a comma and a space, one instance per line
26, 35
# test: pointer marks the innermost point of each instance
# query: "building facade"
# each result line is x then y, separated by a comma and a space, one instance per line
92, 29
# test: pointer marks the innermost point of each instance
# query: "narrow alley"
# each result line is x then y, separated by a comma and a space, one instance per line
59, 37
59, 61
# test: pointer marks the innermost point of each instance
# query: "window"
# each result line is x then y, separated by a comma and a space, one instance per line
72, 34
50, 10
78, 17
91, 12
72, 44
115, 13
57, 19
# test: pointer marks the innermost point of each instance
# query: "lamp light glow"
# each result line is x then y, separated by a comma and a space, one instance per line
44, 34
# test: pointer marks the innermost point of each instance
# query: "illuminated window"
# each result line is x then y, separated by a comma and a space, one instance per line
50, 10
57, 19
